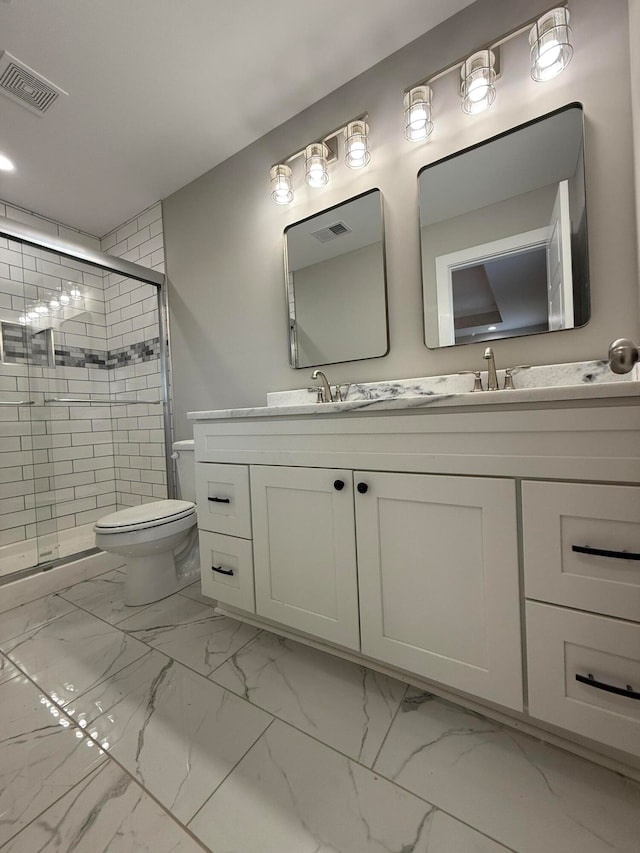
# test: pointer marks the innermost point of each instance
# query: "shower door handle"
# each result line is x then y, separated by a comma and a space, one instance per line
17, 403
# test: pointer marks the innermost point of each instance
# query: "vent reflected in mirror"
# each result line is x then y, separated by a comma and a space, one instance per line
503, 235
336, 284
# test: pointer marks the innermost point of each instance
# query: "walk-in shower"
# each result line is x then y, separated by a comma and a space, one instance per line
85, 424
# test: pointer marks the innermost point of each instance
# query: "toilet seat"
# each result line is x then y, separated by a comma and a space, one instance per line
145, 516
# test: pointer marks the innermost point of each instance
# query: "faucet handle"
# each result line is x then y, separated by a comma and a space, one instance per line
319, 392
477, 382
508, 376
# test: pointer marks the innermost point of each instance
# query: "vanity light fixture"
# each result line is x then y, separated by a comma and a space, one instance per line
551, 52
316, 167
352, 138
417, 113
550, 40
281, 184
357, 154
478, 76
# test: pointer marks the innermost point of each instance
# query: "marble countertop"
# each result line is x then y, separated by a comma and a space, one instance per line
564, 382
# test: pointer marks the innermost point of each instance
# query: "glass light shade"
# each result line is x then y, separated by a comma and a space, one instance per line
357, 145
315, 164
417, 113
42, 309
22, 319
54, 304
478, 77
75, 293
32, 315
64, 298
281, 178
550, 40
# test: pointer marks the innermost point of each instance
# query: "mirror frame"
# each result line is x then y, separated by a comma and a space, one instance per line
469, 148
292, 348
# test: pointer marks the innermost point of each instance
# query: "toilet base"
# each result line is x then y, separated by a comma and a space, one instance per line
152, 578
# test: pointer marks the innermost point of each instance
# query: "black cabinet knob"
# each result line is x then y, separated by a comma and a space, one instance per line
363, 488
338, 485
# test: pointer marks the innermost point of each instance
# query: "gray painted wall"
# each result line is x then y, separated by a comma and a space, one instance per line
224, 234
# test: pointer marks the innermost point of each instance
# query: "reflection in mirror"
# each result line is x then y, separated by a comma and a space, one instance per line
336, 284
503, 235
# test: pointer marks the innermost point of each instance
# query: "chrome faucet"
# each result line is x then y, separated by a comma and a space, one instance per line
492, 376
324, 390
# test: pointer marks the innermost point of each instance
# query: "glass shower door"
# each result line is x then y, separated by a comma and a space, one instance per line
19, 451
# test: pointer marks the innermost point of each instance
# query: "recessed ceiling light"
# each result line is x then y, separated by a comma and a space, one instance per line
5, 164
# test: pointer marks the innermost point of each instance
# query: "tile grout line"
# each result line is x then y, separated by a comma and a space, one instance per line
386, 735
239, 761
107, 758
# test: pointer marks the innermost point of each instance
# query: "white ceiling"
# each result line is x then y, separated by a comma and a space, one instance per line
160, 91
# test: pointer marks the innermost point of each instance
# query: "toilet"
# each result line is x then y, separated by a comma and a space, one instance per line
159, 540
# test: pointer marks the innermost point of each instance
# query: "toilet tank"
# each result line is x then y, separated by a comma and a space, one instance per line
183, 453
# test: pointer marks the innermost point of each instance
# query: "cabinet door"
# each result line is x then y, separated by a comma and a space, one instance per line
438, 577
304, 550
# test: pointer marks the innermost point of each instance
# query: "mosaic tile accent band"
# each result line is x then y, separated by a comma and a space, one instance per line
107, 360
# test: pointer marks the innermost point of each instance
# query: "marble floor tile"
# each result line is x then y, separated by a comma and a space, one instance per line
344, 705
107, 811
40, 756
176, 732
26, 617
72, 654
195, 594
103, 596
189, 632
7, 669
528, 795
291, 793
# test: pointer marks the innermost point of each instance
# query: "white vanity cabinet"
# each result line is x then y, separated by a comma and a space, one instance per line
435, 587
416, 542
305, 551
438, 574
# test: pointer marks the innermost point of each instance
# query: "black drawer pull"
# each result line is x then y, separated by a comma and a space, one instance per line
338, 485
362, 488
220, 500
600, 685
221, 571
602, 552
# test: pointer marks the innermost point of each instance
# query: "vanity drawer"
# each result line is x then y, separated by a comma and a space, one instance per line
226, 568
563, 644
222, 492
559, 518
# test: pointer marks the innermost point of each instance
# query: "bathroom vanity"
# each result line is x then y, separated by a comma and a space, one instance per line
485, 543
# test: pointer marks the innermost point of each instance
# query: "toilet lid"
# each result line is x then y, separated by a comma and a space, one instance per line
145, 515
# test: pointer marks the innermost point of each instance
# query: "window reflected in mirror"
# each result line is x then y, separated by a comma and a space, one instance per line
336, 287
503, 235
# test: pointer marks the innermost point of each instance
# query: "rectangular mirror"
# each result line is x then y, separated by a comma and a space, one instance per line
336, 285
503, 235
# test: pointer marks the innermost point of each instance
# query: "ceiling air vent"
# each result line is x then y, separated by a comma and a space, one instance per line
24, 86
331, 232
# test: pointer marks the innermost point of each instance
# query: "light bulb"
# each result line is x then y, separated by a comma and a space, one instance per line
316, 174
64, 298
357, 145
478, 76
32, 315
22, 319
417, 113
75, 293
551, 49
54, 304
42, 309
281, 178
